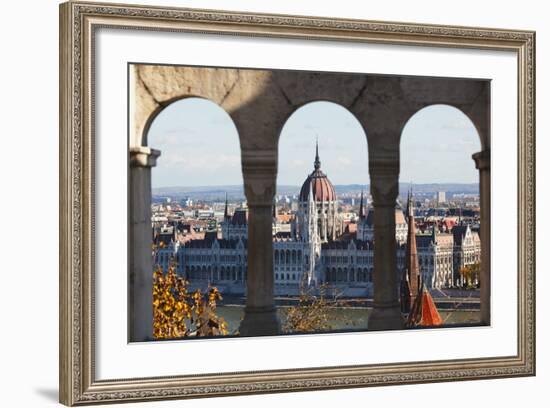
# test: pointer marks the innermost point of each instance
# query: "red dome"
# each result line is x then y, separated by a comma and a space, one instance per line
322, 188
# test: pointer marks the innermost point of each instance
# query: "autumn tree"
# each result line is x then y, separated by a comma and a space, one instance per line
471, 274
312, 313
179, 313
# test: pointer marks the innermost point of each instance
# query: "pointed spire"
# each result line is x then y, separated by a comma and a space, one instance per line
310, 198
310, 212
361, 207
413, 268
317, 162
410, 204
226, 212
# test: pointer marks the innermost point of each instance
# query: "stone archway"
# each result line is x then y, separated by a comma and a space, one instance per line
477, 109
259, 102
472, 98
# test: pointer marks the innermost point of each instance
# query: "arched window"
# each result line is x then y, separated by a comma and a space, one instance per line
341, 156
175, 131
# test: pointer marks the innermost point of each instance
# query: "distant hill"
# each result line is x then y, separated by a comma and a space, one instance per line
237, 192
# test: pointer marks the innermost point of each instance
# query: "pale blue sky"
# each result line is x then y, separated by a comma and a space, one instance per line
199, 145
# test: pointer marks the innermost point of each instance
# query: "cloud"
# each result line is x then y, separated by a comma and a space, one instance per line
343, 161
457, 124
297, 163
197, 162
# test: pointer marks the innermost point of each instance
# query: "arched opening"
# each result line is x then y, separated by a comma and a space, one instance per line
325, 145
189, 192
197, 183
440, 188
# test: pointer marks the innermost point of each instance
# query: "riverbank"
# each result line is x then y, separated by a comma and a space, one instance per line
347, 318
448, 303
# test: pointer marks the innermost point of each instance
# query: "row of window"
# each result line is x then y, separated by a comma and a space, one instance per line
344, 259
288, 256
342, 275
229, 274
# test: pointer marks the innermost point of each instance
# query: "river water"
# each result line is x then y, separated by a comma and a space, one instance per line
346, 318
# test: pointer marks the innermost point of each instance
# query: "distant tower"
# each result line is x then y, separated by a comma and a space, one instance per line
226, 210
275, 222
411, 278
311, 226
313, 239
361, 208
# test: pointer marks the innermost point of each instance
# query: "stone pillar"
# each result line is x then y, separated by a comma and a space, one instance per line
260, 173
483, 164
384, 178
140, 261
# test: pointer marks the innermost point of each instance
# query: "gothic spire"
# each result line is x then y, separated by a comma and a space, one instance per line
410, 204
434, 232
311, 200
317, 162
226, 212
361, 207
413, 269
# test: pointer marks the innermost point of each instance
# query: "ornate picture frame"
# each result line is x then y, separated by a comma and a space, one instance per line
79, 22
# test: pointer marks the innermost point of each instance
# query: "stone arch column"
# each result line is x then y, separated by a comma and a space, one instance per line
384, 177
383, 110
472, 97
483, 164
140, 255
259, 172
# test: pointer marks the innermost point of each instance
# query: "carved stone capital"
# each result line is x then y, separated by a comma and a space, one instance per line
143, 156
260, 174
482, 159
384, 181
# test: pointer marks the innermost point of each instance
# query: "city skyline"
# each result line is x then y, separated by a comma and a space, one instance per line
435, 135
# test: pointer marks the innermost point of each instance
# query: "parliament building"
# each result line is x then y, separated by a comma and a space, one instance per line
314, 250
